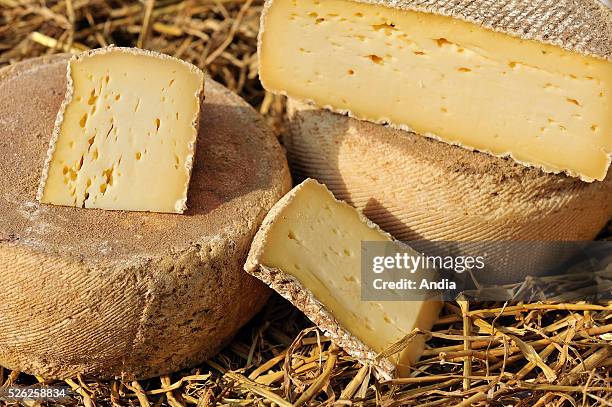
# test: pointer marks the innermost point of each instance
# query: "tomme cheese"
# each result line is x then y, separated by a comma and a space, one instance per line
125, 134
309, 250
417, 188
412, 64
130, 294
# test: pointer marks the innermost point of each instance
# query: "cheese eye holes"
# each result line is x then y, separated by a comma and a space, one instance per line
83, 121
92, 97
442, 42
138, 155
157, 124
351, 72
376, 59
117, 97
387, 28
464, 69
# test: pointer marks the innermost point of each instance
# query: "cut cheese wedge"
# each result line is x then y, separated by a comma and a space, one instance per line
390, 62
309, 250
125, 135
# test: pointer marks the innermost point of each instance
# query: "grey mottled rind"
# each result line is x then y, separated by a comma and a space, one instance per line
181, 205
292, 290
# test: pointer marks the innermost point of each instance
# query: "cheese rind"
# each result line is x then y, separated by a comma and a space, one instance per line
129, 294
125, 136
308, 249
444, 78
417, 188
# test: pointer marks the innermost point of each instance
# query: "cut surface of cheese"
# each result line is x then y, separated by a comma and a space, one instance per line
125, 135
446, 78
130, 294
417, 188
309, 250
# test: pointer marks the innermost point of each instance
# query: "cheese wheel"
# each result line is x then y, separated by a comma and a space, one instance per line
130, 294
418, 188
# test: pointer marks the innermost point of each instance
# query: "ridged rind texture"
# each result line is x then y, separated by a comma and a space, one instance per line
417, 188
181, 205
132, 294
292, 290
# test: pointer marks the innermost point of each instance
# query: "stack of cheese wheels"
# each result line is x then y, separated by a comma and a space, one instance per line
130, 294
533, 94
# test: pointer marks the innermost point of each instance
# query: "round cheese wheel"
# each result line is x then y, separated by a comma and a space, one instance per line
130, 294
418, 188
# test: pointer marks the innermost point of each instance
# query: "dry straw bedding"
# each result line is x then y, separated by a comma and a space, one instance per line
532, 354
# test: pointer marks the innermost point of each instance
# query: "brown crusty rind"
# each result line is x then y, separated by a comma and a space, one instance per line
291, 289
417, 188
181, 205
582, 26
116, 293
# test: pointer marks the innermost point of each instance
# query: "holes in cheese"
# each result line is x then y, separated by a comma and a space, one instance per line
444, 77
309, 250
120, 142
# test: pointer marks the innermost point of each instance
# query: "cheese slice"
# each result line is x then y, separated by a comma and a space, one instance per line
442, 77
125, 135
309, 250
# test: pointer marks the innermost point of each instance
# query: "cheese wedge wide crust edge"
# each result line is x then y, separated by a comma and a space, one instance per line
181, 205
290, 288
585, 29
